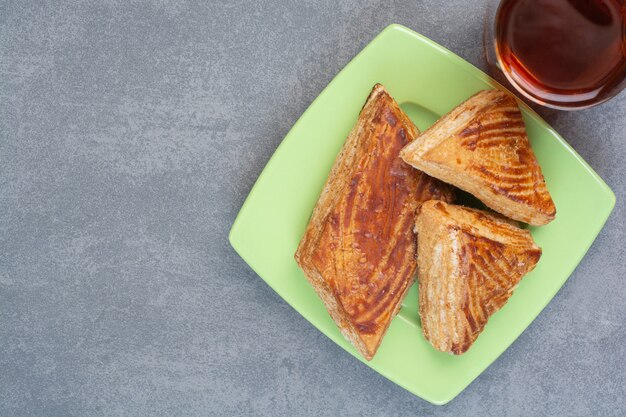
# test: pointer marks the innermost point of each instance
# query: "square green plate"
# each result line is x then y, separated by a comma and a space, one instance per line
428, 81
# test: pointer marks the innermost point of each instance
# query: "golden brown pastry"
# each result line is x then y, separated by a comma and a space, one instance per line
469, 262
358, 250
481, 147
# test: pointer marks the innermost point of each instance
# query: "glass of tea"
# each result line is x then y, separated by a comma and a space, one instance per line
564, 54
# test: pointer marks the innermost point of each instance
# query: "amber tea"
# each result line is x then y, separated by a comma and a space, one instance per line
563, 53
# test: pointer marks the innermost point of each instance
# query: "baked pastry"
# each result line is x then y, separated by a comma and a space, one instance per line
358, 250
469, 263
481, 147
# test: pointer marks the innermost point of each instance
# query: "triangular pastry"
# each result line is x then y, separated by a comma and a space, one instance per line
481, 147
358, 250
469, 262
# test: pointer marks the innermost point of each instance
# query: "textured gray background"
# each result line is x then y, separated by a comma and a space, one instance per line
130, 134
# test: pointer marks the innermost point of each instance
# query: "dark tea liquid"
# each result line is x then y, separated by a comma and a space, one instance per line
565, 53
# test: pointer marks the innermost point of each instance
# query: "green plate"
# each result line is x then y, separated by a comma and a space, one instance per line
428, 81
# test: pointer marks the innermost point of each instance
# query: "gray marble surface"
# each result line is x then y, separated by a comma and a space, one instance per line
130, 134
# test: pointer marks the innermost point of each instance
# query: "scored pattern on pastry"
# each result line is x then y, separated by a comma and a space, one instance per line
482, 147
359, 248
500, 135
367, 235
469, 263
